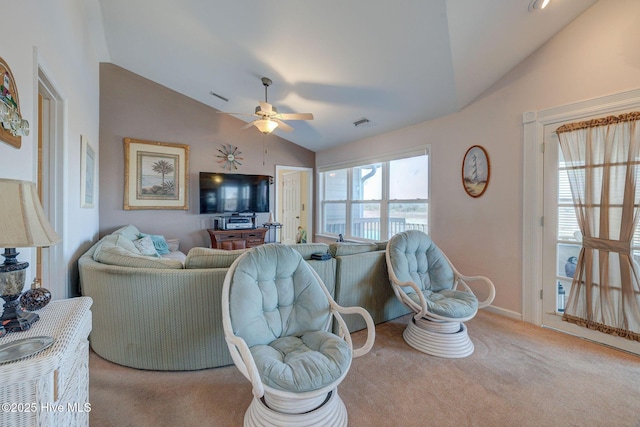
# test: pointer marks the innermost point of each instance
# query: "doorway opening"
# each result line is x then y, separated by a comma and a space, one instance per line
50, 266
294, 203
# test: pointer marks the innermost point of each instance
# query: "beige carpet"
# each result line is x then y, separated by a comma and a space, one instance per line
519, 375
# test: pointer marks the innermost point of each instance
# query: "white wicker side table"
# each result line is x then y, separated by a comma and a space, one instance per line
50, 388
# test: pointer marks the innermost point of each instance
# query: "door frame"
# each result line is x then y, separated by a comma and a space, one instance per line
54, 271
308, 201
289, 235
533, 188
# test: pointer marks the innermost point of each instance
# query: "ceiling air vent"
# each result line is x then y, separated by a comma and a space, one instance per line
218, 96
360, 122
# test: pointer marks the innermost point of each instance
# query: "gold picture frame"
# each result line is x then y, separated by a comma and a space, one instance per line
87, 174
476, 171
156, 175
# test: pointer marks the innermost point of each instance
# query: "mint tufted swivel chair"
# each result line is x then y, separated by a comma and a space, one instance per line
276, 315
425, 281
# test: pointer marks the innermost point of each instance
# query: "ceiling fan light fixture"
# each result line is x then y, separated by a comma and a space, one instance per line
538, 4
265, 126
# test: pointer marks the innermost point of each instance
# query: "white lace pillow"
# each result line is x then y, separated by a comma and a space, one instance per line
145, 246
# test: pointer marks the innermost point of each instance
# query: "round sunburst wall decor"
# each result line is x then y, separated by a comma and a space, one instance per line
229, 157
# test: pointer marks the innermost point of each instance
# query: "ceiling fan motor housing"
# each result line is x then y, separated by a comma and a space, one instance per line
261, 112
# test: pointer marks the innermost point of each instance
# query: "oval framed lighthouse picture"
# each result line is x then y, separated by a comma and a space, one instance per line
475, 171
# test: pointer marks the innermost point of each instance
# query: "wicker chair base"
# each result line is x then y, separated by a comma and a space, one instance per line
443, 339
332, 413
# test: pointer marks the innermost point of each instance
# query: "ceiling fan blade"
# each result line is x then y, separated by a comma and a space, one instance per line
247, 126
296, 116
283, 126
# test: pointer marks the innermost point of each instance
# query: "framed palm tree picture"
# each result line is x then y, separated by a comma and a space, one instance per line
156, 175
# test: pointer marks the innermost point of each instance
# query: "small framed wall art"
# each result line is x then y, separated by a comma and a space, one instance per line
476, 171
12, 126
156, 175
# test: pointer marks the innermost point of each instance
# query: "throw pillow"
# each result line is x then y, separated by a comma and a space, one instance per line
162, 247
111, 251
146, 247
128, 231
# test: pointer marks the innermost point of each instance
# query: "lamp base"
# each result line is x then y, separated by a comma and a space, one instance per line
14, 318
21, 322
12, 273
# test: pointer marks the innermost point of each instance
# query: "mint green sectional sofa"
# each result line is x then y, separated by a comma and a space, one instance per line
362, 280
163, 313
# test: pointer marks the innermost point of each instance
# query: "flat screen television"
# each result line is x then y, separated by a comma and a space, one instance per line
233, 193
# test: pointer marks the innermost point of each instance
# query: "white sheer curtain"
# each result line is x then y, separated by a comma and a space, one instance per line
603, 164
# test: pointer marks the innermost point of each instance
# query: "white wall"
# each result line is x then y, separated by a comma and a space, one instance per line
57, 36
596, 55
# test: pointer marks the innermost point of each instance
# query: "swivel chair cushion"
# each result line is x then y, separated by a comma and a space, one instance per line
278, 307
308, 362
415, 258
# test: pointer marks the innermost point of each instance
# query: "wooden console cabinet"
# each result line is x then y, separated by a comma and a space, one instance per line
237, 239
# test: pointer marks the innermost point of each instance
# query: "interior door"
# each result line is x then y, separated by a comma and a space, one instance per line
291, 208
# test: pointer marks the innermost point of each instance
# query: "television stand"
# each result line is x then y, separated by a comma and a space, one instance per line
237, 239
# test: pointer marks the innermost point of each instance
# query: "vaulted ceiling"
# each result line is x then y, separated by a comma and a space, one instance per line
395, 63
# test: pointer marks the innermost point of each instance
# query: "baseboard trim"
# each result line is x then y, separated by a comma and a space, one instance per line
503, 312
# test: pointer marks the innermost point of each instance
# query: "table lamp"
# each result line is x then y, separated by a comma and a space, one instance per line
23, 223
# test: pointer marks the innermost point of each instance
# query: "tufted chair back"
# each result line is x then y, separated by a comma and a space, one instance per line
270, 300
415, 258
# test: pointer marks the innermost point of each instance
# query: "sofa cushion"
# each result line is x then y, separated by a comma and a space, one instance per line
211, 258
128, 231
119, 250
175, 255
348, 248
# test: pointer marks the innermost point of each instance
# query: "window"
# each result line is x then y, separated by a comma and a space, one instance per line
374, 201
568, 239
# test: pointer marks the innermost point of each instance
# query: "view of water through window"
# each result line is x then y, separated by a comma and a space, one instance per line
379, 199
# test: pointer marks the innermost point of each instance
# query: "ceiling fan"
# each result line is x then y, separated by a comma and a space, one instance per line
268, 117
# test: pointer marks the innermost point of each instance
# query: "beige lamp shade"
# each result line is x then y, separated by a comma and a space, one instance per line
23, 222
